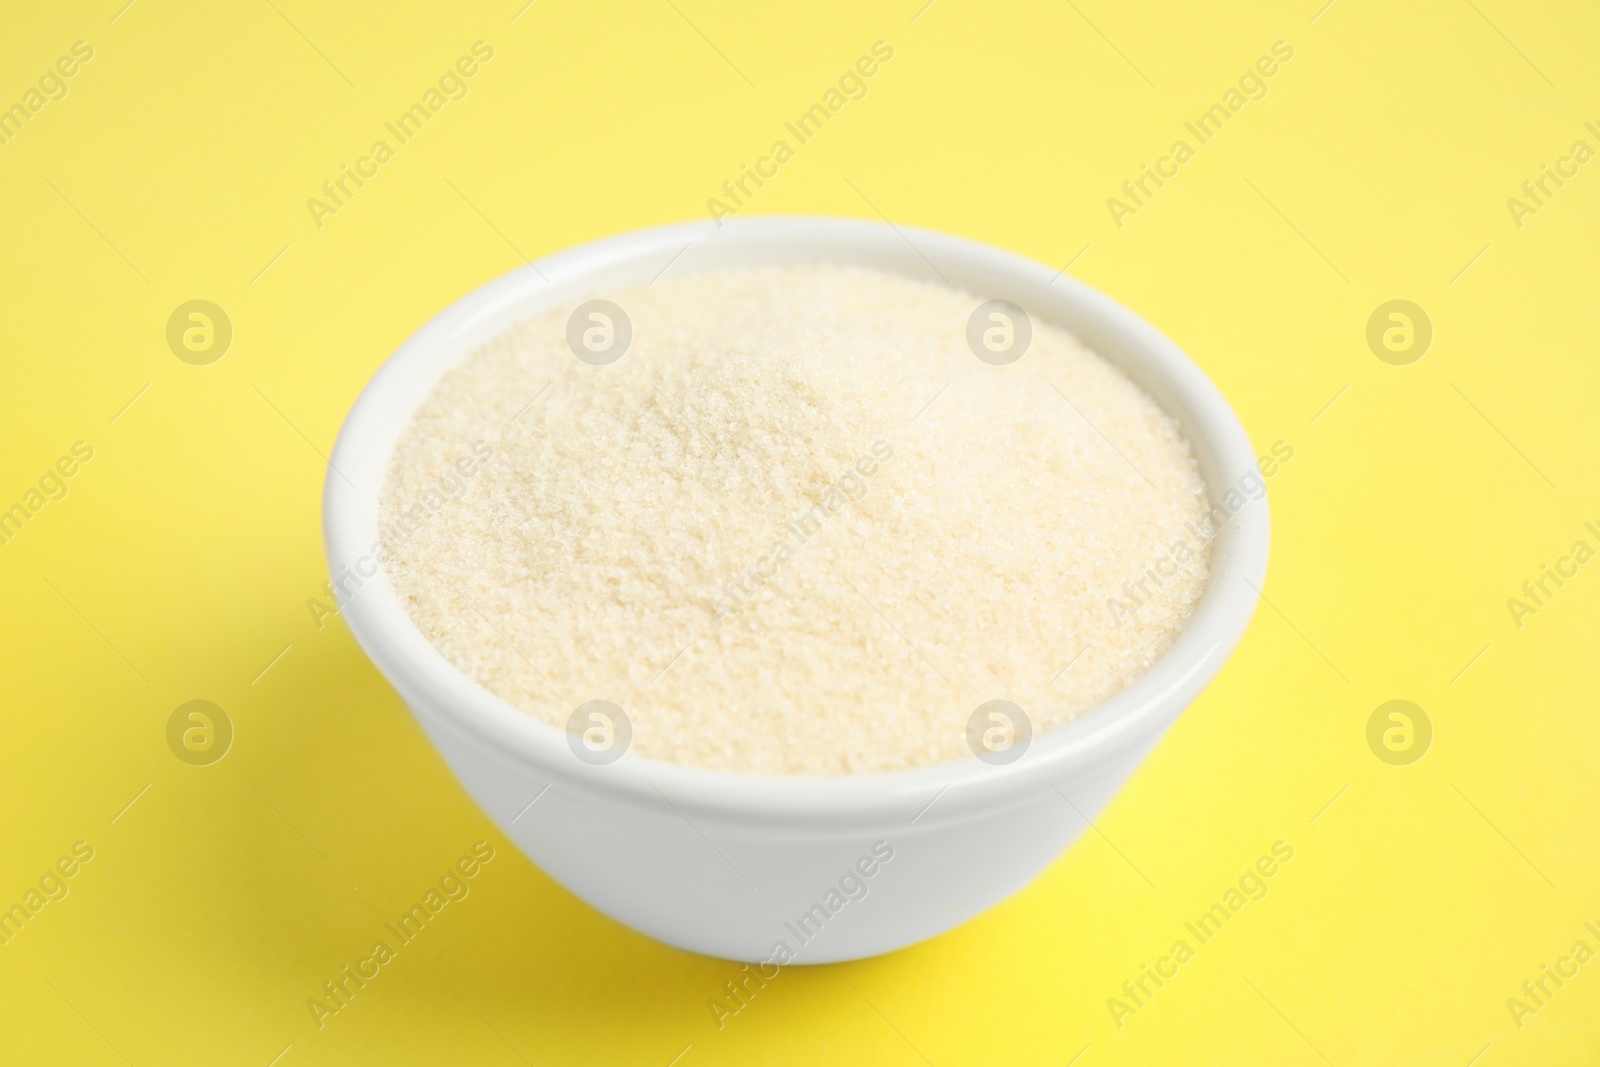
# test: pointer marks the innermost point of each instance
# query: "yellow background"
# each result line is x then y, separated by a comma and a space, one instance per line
180, 563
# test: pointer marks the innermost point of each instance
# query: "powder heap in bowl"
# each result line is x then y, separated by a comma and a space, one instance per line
799, 527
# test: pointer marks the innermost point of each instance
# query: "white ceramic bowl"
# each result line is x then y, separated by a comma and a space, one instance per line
725, 864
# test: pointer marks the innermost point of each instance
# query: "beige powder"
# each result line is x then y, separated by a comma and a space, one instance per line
798, 528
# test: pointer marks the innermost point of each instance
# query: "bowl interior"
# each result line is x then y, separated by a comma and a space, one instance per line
433, 686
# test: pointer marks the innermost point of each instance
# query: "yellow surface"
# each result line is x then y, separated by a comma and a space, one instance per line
178, 565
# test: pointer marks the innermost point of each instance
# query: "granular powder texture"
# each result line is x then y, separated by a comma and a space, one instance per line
799, 528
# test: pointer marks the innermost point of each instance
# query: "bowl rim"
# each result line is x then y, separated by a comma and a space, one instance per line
445, 697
